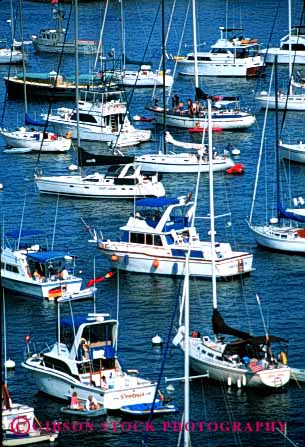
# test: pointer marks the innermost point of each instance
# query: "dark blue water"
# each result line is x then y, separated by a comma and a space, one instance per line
147, 303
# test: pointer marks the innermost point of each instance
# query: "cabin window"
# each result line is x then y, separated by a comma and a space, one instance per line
157, 240
210, 355
137, 238
2, 265
84, 117
56, 364
12, 268
294, 47
149, 239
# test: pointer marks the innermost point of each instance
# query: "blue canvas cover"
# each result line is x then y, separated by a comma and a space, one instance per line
45, 256
157, 202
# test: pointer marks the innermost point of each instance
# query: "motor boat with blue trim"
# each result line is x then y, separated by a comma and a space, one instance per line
158, 407
84, 359
32, 269
157, 237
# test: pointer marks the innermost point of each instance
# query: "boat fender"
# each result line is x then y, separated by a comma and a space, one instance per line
155, 263
126, 259
283, 358
244, 381
229, 381
114, 258
238, 383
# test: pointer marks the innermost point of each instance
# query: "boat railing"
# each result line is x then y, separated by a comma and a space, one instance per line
33, 348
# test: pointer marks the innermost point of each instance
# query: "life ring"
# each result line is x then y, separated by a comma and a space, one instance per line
283, 357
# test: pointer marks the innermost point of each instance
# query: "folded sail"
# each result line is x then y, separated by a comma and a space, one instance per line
289, 214
171, 140
88, 159
220, 327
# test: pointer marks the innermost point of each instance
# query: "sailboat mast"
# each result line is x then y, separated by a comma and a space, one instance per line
163, 75
195, 42
186, 353
123, 37
290, 63
76, 75
211, 197
277, 157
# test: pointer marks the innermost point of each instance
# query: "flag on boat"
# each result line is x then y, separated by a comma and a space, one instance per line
55, 293
100, 279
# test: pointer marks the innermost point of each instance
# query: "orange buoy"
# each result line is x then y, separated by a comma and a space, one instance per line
155, 263
114, 258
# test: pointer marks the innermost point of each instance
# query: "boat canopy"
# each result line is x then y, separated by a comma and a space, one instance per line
73, 322
16, 234
157, 202
45, 256
220, 327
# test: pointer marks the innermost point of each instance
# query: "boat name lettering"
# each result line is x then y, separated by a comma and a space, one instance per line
131, 396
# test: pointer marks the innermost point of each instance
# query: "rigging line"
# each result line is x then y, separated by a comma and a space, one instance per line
144, 442
291, 76
101, 36
133, 89
260, 151
52, 97
268, 45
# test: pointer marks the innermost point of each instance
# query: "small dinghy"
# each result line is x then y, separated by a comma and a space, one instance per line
84, 413
160, 407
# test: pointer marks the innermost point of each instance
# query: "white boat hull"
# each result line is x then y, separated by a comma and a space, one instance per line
8, 56
136, 260
297, 57
43, 46
294, 102
184, 163
293, 152
99, 134
265, 380
279, 238
74, 186
226, 121
230, 69
61, 385
20, 139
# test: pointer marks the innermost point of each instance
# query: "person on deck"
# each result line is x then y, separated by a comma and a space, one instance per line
91, 403
75, 403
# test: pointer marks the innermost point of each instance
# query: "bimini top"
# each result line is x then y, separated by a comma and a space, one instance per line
73, 322
45, 256
23, 233
156, 202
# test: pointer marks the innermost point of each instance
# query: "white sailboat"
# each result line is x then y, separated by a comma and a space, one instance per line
11, 55
292, 100
184, 162
226, 118
247, 361
283, 232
